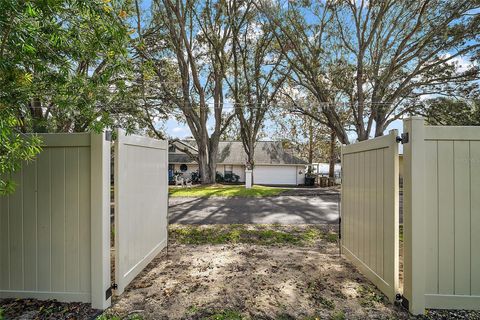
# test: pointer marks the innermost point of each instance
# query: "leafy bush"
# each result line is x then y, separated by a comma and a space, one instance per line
231, 177
219, 177
195, 177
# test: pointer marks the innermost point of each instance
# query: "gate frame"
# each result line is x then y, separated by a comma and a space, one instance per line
414, 224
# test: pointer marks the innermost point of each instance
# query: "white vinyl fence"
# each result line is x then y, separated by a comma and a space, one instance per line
442, 216
141, 204
54, 230
370, 210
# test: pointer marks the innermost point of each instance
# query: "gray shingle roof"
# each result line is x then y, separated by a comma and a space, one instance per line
231, 152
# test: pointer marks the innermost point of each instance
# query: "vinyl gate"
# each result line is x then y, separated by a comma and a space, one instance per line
370, 210
141, 204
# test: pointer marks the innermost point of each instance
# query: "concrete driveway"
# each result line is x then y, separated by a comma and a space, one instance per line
285, 209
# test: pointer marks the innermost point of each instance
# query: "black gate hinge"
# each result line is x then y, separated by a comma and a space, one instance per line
108, 293
108, 136
402, 301
403, 138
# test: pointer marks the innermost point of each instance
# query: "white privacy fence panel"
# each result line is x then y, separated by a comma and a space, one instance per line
141, 204
47, 227
442, 219
369, 209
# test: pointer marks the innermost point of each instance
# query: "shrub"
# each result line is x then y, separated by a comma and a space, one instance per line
231, 177
219, 177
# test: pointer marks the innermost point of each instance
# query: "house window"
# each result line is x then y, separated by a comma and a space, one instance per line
228, 170
183, 167
172, 149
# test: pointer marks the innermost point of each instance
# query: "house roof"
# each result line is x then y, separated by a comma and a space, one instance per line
232, 152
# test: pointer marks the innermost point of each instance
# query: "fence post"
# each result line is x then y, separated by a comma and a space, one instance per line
414, 214
100, 221
248, 178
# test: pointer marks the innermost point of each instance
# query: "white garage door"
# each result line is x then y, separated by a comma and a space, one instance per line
275, 175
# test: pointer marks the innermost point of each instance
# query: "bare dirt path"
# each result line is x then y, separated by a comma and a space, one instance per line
253, 281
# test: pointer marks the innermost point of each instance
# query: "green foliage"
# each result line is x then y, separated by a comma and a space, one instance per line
231, 177
59, 61
112, 317
14, 148
327, 303
265, 235
339, 315
452, 112
369, 297
207, 314
331, 237
226, 315
225, 191
219, 177
1, 314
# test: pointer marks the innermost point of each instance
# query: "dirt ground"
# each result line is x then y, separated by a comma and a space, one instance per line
220, 272
253, 281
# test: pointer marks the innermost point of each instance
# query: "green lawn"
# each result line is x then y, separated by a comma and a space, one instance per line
224, 191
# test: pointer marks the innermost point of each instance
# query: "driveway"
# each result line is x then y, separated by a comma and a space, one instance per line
288, 209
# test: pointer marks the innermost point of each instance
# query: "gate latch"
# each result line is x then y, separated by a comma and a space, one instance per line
108, 293
403, 138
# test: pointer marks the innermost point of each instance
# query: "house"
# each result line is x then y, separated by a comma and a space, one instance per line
273, 164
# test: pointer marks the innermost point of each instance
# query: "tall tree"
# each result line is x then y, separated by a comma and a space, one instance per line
309, 139
255, 80
303, 35
376, 57
402, 50
195, 35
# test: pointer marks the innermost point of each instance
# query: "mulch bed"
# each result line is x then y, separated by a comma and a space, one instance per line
31, 309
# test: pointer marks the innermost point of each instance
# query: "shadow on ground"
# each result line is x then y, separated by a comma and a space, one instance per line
317, 209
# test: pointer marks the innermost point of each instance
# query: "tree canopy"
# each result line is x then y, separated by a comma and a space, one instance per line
59, 63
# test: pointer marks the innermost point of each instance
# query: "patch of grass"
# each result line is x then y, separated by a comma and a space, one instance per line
368, 296
205, 314
226, 315
112, 317
327, 303
192, 310
231, 234
339, 315
331, 237
224, 191
284, 316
